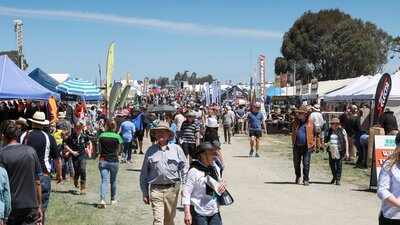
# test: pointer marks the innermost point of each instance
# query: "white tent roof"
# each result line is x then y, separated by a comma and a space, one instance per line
346, 92
60, 77
367, 90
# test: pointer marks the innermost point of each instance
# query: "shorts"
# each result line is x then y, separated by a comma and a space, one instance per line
189, 149
139, 135
256, 133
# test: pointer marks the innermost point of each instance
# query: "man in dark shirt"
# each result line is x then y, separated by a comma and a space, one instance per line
24, 171
46, 149
79, 146
353, 131
389, 122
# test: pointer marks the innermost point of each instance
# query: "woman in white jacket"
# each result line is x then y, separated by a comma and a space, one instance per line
199, 195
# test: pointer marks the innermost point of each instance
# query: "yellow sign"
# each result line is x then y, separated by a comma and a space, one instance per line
277, 81
110, 67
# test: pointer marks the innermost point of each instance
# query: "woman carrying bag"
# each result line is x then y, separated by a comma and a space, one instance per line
202, 188
338, 149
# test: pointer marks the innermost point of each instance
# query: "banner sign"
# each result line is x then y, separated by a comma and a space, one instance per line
277, 81
384, 147
314, 86
298, 87
124, 95
284, 80
110, 67
114, 95
261, 60
207, 92
145, 86
382, 96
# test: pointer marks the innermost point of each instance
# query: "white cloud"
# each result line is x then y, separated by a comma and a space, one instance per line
193, 28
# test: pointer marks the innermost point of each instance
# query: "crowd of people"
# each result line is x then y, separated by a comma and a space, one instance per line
185, 151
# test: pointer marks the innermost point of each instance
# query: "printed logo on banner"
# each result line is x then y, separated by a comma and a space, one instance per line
381, 95
384, 147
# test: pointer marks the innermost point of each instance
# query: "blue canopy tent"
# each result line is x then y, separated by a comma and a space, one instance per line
274, 91
15, 84
44, 79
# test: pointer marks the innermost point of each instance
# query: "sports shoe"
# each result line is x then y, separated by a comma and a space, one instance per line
102, 204
297, 181
306, 183
257, 155
338, 183
251, 152
114, 202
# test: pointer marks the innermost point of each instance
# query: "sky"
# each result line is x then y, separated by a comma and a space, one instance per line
160, 38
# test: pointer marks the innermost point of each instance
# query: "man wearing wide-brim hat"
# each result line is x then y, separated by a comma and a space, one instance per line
22, 125
46, 149
319, 121
303, 140
389, 122
164, 167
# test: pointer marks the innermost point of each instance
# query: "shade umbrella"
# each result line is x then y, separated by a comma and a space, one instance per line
74, 86
162, 109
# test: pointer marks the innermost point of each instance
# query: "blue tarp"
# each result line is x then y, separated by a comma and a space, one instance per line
274, 91
44, 79
15, 84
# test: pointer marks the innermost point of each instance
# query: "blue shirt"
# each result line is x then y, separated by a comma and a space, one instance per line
172, 140
138, 121
301, 136
5, 195
255, 121
127, 130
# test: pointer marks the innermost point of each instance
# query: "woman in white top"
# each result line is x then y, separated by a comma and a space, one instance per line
389, 188
198, 198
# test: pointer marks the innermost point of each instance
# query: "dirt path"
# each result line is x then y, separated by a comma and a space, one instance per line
264, 193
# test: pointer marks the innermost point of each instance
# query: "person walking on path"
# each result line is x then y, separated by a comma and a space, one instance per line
200, 205
316, 115
255, 122
303, 137
24, 172
190, 131
353, 131
227, 119
46, 149
338, 149
79, 146
389, 188
138, 119
110, 146
164, 167
127, 131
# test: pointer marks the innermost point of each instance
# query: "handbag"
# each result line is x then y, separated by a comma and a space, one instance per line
225, 198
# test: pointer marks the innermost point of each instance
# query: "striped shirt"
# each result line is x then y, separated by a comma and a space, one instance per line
189, 130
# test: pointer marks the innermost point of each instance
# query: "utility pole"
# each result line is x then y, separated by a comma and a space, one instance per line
19, 34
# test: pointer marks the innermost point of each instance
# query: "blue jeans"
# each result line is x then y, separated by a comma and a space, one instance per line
45, 183
364, 139
127, 150
108, 169
336, 166
298, 152
198, 219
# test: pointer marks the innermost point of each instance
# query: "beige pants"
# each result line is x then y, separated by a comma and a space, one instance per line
163, 202
352, 149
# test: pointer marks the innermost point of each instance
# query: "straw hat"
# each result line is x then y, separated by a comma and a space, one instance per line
39, 118
316, 107
334, 121
212, 122
22, 121
302, 109
162, 125
258, 105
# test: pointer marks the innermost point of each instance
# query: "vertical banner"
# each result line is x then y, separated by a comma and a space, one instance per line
128, 78
228, 97
110, 67
214, 94
124, 95
145, 86
207, 92
382, 96
384, 147
219, 93
234, 95
251, 90
114, 95
314, 86
261, 60
256, 88
284, 80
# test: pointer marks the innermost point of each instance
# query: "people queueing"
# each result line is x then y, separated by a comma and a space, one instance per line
127, 131
389, 188
199, 199
338, 149
109, 148
303, 137
24, 171
255, 123
79, 146
46, 149
164, 168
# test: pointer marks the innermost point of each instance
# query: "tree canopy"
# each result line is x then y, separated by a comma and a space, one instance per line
332, 45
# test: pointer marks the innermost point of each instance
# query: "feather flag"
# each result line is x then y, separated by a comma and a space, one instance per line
109, 69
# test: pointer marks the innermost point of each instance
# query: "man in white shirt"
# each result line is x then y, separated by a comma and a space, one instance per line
319, 122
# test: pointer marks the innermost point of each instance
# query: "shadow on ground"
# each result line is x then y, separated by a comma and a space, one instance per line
96, 205
134, 170
278, 182
365, 190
